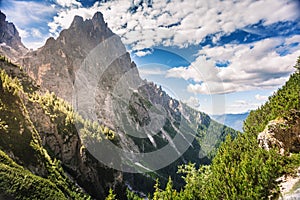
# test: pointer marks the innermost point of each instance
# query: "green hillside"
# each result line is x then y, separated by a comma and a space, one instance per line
242, 169
32, 170
32, 173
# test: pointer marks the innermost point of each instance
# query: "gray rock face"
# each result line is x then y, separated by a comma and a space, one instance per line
282, 133
289, 186
53, 66
10, 41
94, 177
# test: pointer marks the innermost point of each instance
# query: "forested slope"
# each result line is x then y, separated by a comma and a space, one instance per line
242, 169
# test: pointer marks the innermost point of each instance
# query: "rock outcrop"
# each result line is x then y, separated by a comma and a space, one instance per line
283, 134
54, 65
289, 186
10, 41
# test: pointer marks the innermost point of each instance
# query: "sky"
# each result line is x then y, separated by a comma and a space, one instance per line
219, 56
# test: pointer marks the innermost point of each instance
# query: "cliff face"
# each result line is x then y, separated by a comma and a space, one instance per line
26, 169
53, 66
10, 41
36, 136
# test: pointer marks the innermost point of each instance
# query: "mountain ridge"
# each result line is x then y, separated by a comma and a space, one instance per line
93, 60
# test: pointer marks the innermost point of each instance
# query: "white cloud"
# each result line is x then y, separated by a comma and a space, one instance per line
261, 97
200, 70
30, 18
258, 65
241, 106
25, 13
35, 44
168, 23
68, 3
142, 53
64, 18
36, 33
23, 33
193, 102
151, 71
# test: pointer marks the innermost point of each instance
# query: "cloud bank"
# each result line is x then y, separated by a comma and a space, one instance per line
258, 65
181, 23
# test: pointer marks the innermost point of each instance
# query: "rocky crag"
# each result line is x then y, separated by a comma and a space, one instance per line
10, 40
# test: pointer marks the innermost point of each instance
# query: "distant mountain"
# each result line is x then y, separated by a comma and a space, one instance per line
234, 121
123, 121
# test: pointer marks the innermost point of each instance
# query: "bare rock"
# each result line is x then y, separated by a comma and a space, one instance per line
282, 133
10, 40
289, 186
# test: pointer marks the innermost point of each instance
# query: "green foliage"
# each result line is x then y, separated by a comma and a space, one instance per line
242, 170
20, 138
196, 181
68, 121
168, 193
22, 184
111, 195
132, 196
279, 105
9, 85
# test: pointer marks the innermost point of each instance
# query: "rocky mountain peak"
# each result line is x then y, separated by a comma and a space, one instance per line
77, 21
2, 17
10, 40
55, 64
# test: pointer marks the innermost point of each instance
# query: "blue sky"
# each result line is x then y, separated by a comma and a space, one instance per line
217, 56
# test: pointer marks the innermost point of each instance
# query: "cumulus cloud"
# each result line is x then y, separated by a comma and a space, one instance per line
23, 33
257, 65
64, 17
193, 102
241, 106
30, 18
68, 3
261, 97
142, 53
36, 33
166, 22
18, 12
200, 70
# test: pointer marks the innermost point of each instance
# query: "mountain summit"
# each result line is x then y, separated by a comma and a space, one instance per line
10, 40
53, 66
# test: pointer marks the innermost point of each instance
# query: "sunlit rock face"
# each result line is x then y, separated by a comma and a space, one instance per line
283, 134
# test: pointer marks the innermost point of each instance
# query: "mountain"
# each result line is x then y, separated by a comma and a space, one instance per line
234, 121
89, 66
10, 41
121, 131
